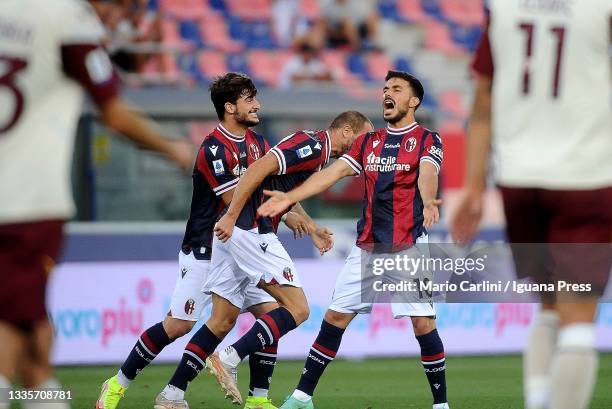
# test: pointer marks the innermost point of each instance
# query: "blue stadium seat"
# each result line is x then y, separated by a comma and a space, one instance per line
237, 62
189, 31
218, 5
357, 65
432, 7
237, 29
388, 9
259, 35
403, 64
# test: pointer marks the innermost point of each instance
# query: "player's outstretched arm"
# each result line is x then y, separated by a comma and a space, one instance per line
428, 187
249, 181
318, 182
466, 219
124, 119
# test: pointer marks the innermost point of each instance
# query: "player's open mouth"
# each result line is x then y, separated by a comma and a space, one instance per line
388, 104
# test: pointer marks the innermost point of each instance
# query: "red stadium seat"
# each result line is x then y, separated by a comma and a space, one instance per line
170, 34
212, 63
215, 34
411, 10
438, 37
452, 102
378, 64
183, 9
266, 65
310, 9
250, 9
465, 12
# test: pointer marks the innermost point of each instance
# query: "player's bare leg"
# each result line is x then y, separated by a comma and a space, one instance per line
432, 358
321, 354
538, 355
265, 332
574, 365
12, 347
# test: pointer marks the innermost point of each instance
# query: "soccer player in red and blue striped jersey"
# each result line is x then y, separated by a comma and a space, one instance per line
400, 164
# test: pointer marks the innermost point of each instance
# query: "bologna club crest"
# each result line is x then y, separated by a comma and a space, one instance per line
254, 151
189, 306
411, 144
287, 274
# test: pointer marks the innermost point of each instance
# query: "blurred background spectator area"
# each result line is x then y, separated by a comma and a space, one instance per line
309, 59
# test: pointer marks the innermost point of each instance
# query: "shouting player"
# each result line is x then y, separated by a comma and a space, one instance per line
400, 165
253, 255
543, 101
223, 157
49, 53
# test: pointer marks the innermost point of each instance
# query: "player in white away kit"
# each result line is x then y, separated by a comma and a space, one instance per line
543, 103
49, 52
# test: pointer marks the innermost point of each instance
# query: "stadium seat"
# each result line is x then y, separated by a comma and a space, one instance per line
452, 102
259, 34
183, 9
411, 11
432, 7
403, 64
190, 32
310, 9
265, 66
465, 13
388, 9
357, 65
215, 33
438, 37
169, 32
237, 62
250, 9
377, 65
212, 64
218, 5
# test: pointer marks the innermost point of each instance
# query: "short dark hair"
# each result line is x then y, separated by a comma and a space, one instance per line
414, 82
229, 88
354, 119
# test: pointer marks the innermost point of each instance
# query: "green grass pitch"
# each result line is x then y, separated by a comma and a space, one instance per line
473, 383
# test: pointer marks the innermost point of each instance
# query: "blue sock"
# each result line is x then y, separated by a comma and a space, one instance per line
202, 344
322, 352
434, 363
266, 331
262, 366
150, 343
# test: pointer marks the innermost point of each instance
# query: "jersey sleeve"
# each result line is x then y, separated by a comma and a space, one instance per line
482, 63
218, 165
354, 156
433, 151
298, 152
83, 57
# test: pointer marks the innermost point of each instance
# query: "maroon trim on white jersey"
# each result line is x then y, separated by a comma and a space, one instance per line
482, 62
89, 65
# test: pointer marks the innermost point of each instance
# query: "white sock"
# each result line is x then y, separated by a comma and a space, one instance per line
301, 396
259, 393
441, 406
173, 393
230, 357
4, 384
538, 357
122, 379
574, 367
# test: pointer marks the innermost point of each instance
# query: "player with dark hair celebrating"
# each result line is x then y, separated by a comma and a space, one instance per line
223, 157
400, 165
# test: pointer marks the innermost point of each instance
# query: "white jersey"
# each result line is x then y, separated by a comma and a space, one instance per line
552, 122
41, 104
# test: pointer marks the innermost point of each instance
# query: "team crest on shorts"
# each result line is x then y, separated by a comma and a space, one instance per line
254, 151
183, 272
287, 274
189, 306
410, 144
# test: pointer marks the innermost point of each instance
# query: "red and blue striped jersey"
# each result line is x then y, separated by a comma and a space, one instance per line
221, 159
299, 155
389, 160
